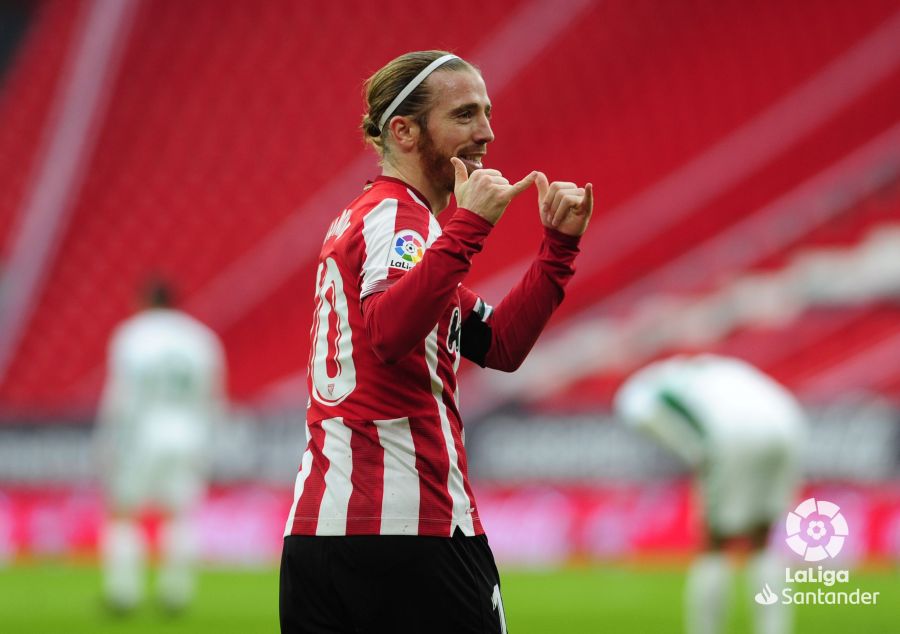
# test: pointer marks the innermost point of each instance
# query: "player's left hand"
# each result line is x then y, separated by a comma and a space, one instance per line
565, 206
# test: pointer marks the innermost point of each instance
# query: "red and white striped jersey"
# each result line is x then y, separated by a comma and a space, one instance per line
384, 452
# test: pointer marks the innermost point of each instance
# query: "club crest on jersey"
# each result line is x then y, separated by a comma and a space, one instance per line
407, 249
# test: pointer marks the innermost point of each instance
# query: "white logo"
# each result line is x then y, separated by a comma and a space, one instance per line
766, 597
497, 601
816, 530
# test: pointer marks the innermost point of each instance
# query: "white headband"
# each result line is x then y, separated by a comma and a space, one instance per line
418, 79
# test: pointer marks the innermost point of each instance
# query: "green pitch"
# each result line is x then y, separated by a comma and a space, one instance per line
63, 599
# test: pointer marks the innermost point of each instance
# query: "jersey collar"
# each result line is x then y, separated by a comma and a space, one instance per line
397, 181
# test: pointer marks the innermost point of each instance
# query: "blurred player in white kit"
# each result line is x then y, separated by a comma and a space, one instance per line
742, 434
164, 391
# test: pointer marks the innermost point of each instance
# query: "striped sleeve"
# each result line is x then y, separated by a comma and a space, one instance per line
402, 316
395, 234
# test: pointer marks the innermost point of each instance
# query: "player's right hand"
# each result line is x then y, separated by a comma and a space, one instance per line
486, 192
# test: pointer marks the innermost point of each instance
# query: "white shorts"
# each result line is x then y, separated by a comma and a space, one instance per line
747, 483
164, 468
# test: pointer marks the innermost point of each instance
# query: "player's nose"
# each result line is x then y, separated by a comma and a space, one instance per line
483, 132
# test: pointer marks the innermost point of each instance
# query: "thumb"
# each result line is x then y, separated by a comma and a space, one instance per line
543, 185
462, 174
523, 184
588, 202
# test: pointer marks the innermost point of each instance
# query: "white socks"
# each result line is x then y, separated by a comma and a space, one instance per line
176, 574
707, 594
764, 568
708, 591
123, 551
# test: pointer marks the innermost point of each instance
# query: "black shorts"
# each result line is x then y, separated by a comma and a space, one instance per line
390, 584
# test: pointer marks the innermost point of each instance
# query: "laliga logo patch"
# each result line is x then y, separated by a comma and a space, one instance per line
816, 530
407, 250
409, 247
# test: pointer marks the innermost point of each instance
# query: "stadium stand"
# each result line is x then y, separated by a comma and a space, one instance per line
229, 140
746, 155
25, 98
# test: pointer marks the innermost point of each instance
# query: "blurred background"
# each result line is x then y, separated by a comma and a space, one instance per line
746, 154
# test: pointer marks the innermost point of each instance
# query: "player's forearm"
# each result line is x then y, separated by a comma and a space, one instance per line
519, 319
402, 316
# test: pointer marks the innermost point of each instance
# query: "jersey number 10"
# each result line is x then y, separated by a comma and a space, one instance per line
332, 368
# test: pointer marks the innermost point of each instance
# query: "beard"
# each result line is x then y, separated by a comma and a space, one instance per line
436, 164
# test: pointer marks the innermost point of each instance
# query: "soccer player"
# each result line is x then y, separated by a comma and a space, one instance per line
164, 391
742, 433
384, 533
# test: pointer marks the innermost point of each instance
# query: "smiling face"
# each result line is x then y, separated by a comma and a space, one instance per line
458, 124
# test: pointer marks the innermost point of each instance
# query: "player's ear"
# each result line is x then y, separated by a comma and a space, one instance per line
404, 132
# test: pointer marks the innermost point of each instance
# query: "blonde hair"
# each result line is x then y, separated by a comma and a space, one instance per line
381, 88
